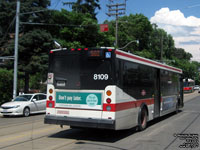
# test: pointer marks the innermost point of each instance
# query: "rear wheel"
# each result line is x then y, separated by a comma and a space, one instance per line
26, 112
142, 120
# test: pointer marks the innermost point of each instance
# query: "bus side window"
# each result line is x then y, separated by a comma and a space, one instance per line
119, 73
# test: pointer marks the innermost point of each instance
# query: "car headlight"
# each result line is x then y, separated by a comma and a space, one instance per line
16, 106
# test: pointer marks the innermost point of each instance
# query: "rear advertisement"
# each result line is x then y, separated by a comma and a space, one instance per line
80, 100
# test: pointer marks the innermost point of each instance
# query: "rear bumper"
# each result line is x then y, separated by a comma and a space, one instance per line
80, 122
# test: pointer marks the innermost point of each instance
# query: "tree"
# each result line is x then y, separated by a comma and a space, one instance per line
132, 28
181, 54
34, 41
76, 30
8, 12
5, 87
33, 54
86, 6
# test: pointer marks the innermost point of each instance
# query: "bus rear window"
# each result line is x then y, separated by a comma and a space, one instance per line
76, 70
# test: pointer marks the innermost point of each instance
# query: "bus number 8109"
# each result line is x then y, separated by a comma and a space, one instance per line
100, 77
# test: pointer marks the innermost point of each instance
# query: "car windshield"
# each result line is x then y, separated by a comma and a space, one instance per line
23, 98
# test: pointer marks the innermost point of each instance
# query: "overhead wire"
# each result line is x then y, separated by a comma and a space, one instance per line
48, 24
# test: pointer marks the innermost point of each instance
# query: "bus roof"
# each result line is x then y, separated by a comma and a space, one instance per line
134, 58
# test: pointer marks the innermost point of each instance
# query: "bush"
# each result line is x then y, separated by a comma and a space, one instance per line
6, 85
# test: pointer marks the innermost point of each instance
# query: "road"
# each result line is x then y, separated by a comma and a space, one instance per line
166, 133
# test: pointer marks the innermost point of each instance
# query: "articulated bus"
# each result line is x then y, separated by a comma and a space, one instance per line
188, 85
108, 88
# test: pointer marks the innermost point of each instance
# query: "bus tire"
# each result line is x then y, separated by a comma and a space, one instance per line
142, 119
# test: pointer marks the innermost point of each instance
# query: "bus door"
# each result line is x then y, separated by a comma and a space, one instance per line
157, 95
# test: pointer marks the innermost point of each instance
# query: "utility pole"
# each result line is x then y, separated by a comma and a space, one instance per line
16, 50
116, 10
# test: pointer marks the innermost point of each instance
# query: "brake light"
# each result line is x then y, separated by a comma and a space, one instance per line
51, 52
79, 49
72, 49
108, 100
86, 49
50, 98
110, 50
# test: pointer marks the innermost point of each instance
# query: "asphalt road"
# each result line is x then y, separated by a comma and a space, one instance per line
170, 132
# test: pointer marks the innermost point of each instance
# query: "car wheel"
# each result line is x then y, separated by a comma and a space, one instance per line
26, 112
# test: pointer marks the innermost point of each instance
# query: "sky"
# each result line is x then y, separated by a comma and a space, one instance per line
180, 18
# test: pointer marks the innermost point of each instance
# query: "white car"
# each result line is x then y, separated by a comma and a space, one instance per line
25, 105
196, 87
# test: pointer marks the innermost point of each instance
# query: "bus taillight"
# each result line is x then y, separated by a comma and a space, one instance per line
50, 98
108, 100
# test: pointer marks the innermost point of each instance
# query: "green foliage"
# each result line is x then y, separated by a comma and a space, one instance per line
6, 82
76, 30
86, 7
145, 53
181, 54
37, 83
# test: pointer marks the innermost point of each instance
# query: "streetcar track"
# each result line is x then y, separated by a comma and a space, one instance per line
183, 131
1, 135
16, 124
39, 138
28, 140
24, 142
63, 145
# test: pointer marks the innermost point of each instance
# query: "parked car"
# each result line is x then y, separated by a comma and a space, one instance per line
25, 105
196, 87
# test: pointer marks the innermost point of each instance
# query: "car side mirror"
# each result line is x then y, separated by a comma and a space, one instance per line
33, 100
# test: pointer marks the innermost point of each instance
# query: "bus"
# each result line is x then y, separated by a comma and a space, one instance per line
188, 85
108, 88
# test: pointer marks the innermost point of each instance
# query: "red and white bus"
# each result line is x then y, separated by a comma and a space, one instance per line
109, 89
188, 85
